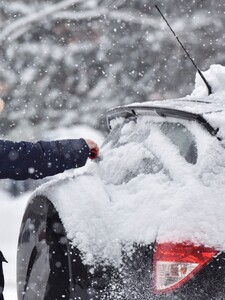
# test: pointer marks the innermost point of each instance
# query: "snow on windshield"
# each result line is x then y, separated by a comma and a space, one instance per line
176, 201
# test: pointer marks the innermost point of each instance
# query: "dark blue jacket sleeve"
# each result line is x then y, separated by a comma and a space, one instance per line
23, 160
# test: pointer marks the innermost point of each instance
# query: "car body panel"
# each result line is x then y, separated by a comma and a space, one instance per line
113, 214
112, 200
50, 267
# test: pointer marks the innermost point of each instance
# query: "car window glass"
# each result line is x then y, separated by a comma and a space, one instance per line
113, 136
127, 144
127, 141
181, 137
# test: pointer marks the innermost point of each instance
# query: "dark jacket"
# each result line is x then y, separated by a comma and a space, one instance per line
23, 160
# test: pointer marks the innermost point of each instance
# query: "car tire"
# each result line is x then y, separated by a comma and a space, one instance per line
49, 267
44, 254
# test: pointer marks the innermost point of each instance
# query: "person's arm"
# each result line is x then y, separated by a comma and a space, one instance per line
22, 160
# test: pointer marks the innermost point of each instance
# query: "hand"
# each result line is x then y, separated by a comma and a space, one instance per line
93, 148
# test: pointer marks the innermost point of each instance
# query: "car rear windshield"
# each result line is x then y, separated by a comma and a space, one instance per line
181, 137
130, 141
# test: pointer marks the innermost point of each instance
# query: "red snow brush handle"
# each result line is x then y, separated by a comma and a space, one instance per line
94, 154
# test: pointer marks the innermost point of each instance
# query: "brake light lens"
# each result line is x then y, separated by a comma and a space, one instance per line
175, 264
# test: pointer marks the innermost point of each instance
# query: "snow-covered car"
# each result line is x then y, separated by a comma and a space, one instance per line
147, 220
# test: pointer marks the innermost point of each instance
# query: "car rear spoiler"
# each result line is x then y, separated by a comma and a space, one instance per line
131, 112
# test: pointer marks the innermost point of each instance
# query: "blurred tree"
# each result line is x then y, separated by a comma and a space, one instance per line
66, 62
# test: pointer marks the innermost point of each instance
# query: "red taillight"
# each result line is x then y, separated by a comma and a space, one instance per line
175, 264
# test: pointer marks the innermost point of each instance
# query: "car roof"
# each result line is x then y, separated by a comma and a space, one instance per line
203, 111
198, 106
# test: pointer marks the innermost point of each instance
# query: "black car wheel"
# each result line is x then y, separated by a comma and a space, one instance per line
48, 266
44, 254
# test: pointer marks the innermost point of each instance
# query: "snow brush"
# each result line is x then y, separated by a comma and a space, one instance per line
94, 155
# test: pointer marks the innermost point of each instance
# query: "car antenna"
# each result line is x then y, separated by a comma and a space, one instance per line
188, 55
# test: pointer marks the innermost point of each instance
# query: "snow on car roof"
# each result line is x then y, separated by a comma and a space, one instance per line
101, 214
192, 105
199, 101
210, 107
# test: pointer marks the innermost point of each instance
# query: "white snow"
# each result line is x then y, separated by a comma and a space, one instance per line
215, 75
180, 202
211, 107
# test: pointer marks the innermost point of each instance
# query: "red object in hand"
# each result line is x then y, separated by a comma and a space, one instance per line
94, 154
94, 149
